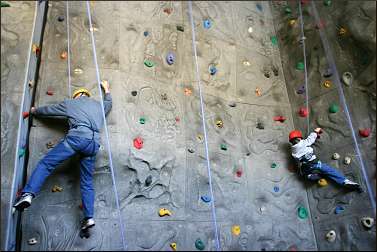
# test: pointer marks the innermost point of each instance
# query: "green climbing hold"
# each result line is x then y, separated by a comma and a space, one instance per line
302, 212
274, 40
288, 10
273, 165
199, 244
148, 63
223, 147
300, 66
142, 120
4, 4
327, 2
21, 152
333, 108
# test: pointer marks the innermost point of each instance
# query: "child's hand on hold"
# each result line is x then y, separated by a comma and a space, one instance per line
105, 85
318, 130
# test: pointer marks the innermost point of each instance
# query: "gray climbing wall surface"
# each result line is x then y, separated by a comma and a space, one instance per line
254, 181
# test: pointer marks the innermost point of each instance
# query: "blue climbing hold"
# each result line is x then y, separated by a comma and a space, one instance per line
339, 209
276, 188
205, 198
170, 58
212, 70
207, 23
259, 7
146, 33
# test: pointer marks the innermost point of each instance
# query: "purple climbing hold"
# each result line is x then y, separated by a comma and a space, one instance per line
276, 188
301, 90
170, 58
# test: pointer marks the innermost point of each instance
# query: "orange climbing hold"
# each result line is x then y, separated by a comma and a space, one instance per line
258, 91
25, 114
138, 143
64, 55
188, 91
168, 10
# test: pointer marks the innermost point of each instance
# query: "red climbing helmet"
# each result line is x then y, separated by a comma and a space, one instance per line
294, 134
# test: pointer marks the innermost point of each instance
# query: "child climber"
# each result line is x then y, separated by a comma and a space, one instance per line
312, 168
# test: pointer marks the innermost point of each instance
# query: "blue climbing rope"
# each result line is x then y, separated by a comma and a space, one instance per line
105, 125
331, 62
204, 129
305, 69
68, 54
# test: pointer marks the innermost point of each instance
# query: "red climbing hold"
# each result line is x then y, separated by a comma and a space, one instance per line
303, 112
239, 173
279, 118
364, 132
25, 114
168, 10
177, 119
50, 92
138, 143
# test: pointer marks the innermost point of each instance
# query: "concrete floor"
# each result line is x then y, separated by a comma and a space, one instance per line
263, 200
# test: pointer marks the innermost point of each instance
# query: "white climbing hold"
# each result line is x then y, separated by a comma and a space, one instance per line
367, 222
250, 30
347, 78
335, 156
347, 160
262, 209
331, 236
32, 241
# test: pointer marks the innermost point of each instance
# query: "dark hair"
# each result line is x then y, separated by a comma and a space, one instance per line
295, 140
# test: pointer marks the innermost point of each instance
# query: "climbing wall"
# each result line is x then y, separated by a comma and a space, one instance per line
331, 207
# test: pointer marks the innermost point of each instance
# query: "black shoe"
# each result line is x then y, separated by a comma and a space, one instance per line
24, 201
353, 186
87, 223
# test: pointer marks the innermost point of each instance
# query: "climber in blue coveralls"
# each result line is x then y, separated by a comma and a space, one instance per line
85, 121
312, 168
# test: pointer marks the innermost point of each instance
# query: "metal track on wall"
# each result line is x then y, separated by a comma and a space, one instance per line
13, 220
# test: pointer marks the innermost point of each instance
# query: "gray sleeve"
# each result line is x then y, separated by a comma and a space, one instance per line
59, 109
311, 139
107, 103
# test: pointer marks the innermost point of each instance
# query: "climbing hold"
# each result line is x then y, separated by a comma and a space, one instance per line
50, 92
50, 145
336, 156
180, 28
4, 4
170, 58
292, 22
138, 143
36, 49
300, 66
259, 7
63, 55
302, 212
327, 2
260, 125
301, 90
212, 69
146, 33
347, 78
258, 92
188, 91
327, 84
276, 189
333, 108
339, 209
199, 244
246, 63
199, 137
22, 152
274, 40
168, 10
148, 63
148, 180
177, 119
206, 198
364, 132
367, 222
142, 120
279, 118
30, 83
327, 73
322, 182
239, 173
163, 211
32, 241
219, 123
331, 236
173, 246
61, 18
342, 31
347, 160
275, 70
25, 114
57, 189
250, 29
232, 104
303, 112
78, 71
288, 10
223, 147
236, 230
133, 93
273, 165
164, 96
207, 23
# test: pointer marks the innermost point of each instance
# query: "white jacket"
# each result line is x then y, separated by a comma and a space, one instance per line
302, 150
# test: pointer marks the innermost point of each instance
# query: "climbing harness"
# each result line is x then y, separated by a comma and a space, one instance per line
331, 62
105, 125
204, 129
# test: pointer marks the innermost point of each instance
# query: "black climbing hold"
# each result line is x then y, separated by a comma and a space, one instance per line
327, 73
232, 104
190, 150
134, 93
276, 71
248, 154
148, 180
180, 28
267, 75
61, 18
260, 125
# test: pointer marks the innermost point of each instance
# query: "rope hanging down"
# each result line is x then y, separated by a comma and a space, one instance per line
331, 62
68, 54
105, 125
204, 129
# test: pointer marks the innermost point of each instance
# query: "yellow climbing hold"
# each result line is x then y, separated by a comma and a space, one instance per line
57, 189
342, 31
219, 123
327, 83
173, 246
236, 230
322, 182
292, 22
163, 212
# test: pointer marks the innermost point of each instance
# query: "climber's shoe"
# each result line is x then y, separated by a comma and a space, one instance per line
24, 201
353, 185
87, 223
